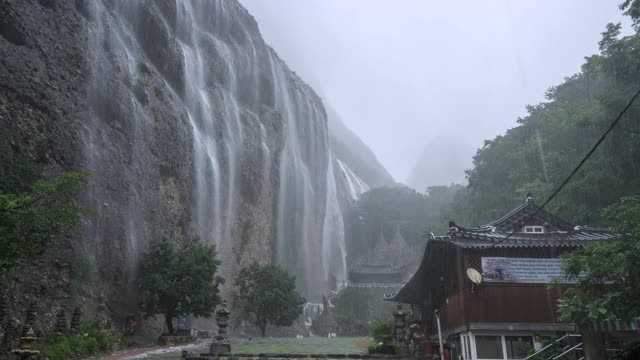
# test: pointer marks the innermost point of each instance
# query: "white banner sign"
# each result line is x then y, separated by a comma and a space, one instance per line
523, 270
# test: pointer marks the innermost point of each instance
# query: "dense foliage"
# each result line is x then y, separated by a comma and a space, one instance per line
88, 340
268, 294
357, 307
389, 209
179, 279
539, 153
30, 219
382, 331
608, 274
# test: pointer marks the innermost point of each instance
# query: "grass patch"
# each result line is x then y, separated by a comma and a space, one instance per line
310, 345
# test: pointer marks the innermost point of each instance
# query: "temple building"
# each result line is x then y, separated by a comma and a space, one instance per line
490, 291
389, 263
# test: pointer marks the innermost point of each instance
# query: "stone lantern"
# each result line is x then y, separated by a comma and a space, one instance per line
400, 322
220, 344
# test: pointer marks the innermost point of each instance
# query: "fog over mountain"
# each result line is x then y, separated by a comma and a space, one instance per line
442, 162
403, 73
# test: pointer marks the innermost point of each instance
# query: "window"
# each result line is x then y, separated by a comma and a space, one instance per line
518, 346
534, 229
489, 347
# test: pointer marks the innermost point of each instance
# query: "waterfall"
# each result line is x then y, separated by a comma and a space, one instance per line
215, 119
266, 159
117, 148
196, 126
354, 183
334, 253
299, 233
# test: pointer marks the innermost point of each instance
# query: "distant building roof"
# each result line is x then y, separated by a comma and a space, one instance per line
387, 262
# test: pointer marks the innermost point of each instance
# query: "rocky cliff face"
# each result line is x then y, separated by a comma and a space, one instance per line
190, 125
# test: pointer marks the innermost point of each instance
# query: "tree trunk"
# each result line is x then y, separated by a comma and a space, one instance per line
168, 317
593, 344
263, 327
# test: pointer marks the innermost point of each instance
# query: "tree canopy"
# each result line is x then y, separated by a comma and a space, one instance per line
538, 154
268, 293
398, 208
179, 279
607, 273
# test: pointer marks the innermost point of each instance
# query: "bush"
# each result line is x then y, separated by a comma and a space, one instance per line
382, 331
84, 341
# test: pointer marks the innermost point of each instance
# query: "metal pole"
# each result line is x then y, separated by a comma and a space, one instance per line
439, 335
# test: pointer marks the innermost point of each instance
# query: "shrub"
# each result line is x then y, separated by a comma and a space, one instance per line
382, 331
84, 341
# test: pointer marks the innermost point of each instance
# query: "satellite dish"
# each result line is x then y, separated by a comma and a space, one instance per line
474, 276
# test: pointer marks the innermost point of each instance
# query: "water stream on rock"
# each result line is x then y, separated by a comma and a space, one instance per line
260, 171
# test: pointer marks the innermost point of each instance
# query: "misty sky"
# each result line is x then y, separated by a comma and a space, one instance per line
401, 73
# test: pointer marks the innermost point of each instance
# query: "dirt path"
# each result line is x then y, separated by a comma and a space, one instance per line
363, 344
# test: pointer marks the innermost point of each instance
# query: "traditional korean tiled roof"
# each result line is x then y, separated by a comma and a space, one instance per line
560, 233
516, 217
482, 238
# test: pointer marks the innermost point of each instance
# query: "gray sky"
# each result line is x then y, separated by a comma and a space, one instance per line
403, 72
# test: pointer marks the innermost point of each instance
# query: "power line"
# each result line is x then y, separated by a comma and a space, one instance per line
584, 159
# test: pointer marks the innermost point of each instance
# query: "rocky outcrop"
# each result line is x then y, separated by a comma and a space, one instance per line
189, 123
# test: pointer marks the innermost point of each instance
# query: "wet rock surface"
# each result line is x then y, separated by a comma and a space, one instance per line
189, 123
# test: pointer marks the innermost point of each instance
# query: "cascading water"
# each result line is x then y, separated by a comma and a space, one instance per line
300, 218
355, 185
334, 253
115, 174
197, 127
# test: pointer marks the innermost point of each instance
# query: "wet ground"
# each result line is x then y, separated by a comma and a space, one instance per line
312, 345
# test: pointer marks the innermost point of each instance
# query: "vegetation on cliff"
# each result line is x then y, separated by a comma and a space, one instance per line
34, 212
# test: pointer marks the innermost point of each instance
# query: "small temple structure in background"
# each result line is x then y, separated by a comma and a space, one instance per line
483, 292
388, 263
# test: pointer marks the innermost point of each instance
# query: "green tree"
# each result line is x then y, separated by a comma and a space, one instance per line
607, 273
31, 219
398, 208
178, 280
269, 294
537, 154
632, 9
